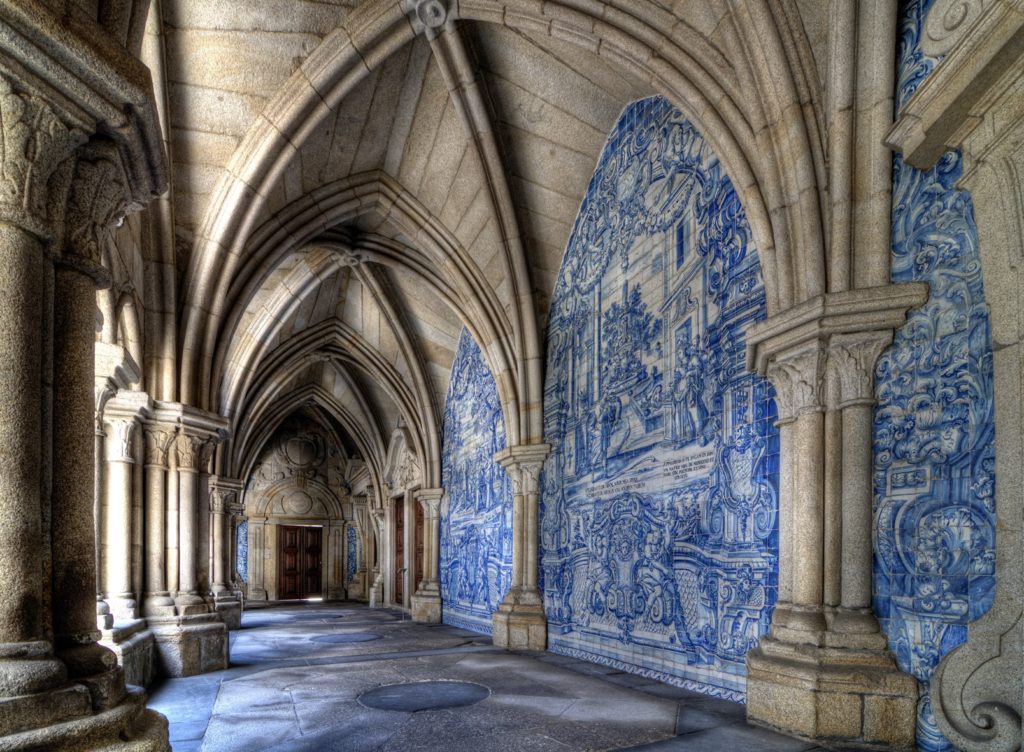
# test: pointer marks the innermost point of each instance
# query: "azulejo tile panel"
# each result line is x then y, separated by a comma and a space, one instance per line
659, 500
476, 512
351, 553
242, 551
934, 424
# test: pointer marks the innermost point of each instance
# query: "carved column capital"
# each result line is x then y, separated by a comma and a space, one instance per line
430, 501
221, 499
158, 444
98, 201
188, 448
851, 364
523, 464
798, 376
207, 451
34, 143
120, 440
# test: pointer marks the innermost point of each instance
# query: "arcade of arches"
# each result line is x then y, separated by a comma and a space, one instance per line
682, 337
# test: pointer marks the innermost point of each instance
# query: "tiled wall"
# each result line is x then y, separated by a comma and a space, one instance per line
476, 512
659, 501
934, 425
351, 553
242, 551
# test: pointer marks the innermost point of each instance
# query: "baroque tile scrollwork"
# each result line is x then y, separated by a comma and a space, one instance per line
934, 424
476, 514
659, 536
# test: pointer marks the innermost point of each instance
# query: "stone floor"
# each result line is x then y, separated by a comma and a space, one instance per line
298, 671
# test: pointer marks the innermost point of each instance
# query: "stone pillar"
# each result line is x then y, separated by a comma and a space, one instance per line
158, 443
188, 448
257, 536
364, 558
377, 516
519, 622
335, 533
824, 670
852, 361
426, 603
223, 492
121, 416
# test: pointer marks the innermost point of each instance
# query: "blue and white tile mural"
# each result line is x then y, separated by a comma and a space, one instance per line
242, 551
659, 538
351, 553
476, 512
934, 424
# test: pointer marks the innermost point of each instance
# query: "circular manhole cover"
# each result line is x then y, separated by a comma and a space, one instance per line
350, 637
426, 695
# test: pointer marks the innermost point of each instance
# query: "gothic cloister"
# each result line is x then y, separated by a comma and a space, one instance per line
662, 353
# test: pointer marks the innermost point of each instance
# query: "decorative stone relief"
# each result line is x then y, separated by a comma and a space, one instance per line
799, 380
947, 22
476, 513
851, 363
158, 444
122, 435
934, 424
188, 449
659, 536
97, 204
35, 142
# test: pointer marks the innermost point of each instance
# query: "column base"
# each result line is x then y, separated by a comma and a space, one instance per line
123, 609
230, 610
190, 645
158, 604
426, 606
357, 587
257, 594
377, 592
190, 604
852, 697
520, 622
135, 648
69, 725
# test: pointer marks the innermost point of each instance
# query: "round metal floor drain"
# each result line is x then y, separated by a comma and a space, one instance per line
426, 695
350, 637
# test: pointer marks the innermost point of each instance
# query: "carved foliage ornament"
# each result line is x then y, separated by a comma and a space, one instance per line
97, 205
188, 450
34, 143
158, 443
121, 433
851, 361
798, 379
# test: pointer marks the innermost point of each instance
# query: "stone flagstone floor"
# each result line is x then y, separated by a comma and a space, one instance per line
297, 672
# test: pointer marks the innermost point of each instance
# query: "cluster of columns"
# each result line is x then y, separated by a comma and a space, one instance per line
824, 670
426, 602
60, 203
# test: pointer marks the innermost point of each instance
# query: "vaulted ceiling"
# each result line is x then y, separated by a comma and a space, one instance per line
434, 187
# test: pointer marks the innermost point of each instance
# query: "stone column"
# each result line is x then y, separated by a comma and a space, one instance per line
117, 520
96, 198
121, 415
519, 622
798, 377
852, 359
188, 447
363, 559
257, 536
377, 516
158, 442
223, 492
426, 603
824, 670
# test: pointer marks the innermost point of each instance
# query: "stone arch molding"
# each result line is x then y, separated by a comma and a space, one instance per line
757, 116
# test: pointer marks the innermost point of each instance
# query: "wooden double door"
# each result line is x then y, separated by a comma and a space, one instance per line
403, 561
300, 562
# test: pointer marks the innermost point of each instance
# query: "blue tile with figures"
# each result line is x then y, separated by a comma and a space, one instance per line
934, 424
476, 512
659, 539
